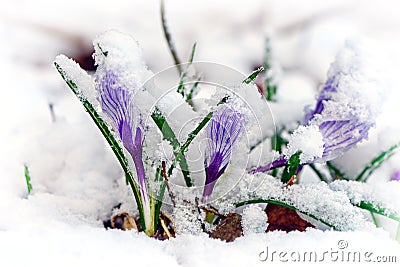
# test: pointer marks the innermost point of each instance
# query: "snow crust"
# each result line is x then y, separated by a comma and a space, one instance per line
383, 195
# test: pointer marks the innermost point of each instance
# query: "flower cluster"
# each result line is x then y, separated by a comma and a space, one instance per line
130, 117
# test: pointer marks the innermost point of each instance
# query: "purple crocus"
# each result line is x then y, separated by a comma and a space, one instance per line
342, 113
222, 132
117, 103
395, 177
339, 134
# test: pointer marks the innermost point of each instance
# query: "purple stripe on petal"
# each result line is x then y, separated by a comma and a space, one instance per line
117, 103
222, 132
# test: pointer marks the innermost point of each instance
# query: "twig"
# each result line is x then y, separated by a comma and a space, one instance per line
171, 195
213, 211
52, 113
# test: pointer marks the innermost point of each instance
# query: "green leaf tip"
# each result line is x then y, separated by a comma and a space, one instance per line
378, 210
28, 178
291, 167
253, 75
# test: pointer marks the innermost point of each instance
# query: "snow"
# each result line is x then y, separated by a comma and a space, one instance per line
76, 180
308, 140
314, 199
356, 75
254, 220
383, 195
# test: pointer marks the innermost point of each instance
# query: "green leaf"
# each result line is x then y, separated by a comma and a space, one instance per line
28, 178
291, 167
116, 148
376, 163
180, 152
253, 75
169, 135
283, 204
187, 94
270, 87
192, 54
378, 210
191, 91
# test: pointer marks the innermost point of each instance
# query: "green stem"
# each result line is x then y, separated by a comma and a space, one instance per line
376, 163
378, 210
169, 135
375, 220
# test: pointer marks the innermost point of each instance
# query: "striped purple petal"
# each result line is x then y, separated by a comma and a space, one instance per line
325, 95
117, 103
340, 134
222, 132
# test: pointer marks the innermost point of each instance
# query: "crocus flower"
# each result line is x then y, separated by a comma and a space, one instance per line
395, 177
344, 113
222, 132
117, 103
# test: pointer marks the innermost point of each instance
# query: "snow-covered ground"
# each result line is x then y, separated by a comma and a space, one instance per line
76, 179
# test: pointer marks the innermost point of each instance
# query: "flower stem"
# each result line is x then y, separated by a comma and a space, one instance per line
280, 162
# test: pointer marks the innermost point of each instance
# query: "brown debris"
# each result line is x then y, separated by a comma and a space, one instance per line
229, 228
285, 219
123, 221
166, 228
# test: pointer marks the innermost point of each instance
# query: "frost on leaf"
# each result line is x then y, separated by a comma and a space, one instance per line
316, 199
83, 81
384, 195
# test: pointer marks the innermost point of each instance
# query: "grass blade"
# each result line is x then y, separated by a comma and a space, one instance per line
28, 179
378, 210
169, 135
253, 75
376, 163
192, 54
270, 87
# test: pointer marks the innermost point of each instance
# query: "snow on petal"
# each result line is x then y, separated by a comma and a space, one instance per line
308, 140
